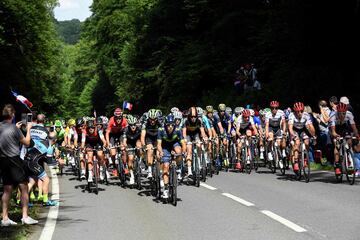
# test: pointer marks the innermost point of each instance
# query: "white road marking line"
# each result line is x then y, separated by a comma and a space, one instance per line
235, 198
284, 221
207, 186
49, 227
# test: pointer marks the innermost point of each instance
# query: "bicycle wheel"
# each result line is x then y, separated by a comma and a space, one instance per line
282, 162
203, 168
138, 173
174, 186
339, 177
306, 165
349, 167
95, 170
197, 171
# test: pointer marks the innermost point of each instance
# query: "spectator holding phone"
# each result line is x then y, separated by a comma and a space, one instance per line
12, 166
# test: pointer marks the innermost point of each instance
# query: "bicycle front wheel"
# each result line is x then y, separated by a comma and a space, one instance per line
349, 167
306, 165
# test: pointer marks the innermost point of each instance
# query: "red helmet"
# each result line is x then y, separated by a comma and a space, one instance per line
299, 106
274, 104
118, 112
246, 113
341, 107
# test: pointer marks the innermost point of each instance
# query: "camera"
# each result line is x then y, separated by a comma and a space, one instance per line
29, 117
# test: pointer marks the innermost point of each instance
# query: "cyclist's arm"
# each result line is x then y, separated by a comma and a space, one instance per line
354, 128
291, 130
266, 129
101, 135
142, 137
203, 134
107, 137
220, 127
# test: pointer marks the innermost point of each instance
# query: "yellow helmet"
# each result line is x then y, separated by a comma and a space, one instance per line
71, 122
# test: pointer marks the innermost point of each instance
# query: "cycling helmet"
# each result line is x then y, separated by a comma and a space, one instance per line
341, 107
262, 112
158, 113
199, 111
178, 115
118, 112
174, 109
132, 120
246, 113
267, 110
71, 122
58, 123
79, 122
252, 112
90, 124
274, 104
287, 113
299, 106
222, 107
169, 119
105, 120
99, 120
192, 112
152, 114
228, 110
209, 109
238, 110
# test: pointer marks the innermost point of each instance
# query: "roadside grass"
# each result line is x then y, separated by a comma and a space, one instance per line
323, 166
18, 232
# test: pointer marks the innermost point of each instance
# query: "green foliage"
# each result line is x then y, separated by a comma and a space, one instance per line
69, 31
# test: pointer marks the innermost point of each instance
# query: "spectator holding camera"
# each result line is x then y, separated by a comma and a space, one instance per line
12, 166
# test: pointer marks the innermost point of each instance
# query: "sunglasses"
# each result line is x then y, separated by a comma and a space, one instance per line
91, 127
193, 117
299, 111
274, 108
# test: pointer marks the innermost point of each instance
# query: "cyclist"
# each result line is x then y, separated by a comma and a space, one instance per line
226, 124
300, 126
71, 139
149, 132
217, 130
178, 119
275, 127
192, 129
342, 124
169, 140
36, 156
60, 135
93, 139
131, 139
115, 132
245, 126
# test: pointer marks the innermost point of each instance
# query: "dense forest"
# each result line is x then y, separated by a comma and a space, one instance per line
162, 53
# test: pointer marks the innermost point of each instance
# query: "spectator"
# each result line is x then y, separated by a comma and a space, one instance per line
346, 101
333, 103
253, 77
324, 137
12, 166
240, 80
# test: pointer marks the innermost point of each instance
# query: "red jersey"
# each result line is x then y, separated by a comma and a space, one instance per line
114, 128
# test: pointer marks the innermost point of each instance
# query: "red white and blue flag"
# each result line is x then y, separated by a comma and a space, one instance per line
22, 99
127, 105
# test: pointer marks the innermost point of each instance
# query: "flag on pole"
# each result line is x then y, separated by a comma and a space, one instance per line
95, 113
127, 105
22, 99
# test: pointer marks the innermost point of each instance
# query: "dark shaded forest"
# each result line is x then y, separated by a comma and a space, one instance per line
162, 53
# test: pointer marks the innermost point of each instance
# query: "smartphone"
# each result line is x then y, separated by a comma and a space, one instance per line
23, 118
29, 117
52, 128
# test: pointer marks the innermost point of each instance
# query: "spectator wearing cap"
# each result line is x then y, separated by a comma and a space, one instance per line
346, 101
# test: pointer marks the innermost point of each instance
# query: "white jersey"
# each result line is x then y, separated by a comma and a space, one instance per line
244, 124
299, 124
275, 120
335, 121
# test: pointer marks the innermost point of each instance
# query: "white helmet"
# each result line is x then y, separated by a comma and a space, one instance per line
178, 115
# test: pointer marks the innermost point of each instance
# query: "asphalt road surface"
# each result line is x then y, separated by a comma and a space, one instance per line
228, 206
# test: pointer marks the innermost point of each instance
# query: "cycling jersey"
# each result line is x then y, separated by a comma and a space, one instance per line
71, 134
193, 128
299, 124
224, 119
132, 137
151, 132
342, 127
257, 121
168, 141
275, 120
60, 136
116, 129
214, 121
92, 139
244, 124
39, 134
206, 122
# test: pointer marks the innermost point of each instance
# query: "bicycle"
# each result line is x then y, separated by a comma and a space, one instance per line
136, 167
155, 180
173, 177
195, 164
95, 170
303, 161
247, 153
346, 160
204, 161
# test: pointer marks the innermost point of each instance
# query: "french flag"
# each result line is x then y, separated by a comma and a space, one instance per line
127, 105
22, 99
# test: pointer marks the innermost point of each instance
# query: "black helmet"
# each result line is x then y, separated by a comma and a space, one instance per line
99, 120
90, 123
170, 119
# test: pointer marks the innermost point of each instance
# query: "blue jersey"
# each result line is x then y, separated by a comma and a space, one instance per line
225, 119
257, 120
206, 122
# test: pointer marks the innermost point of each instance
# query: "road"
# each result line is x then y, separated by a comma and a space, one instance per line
229, 206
